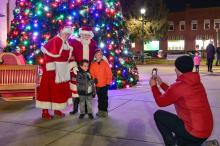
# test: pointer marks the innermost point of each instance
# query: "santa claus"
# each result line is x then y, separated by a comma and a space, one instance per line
84, 48
54, 91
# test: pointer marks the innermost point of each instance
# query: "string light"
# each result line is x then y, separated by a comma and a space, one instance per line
36, 22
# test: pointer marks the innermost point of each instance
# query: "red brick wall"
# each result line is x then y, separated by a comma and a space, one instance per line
190, 35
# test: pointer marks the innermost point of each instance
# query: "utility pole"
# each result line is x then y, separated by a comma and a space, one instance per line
143, 11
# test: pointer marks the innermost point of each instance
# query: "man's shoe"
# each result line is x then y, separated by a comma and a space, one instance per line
81, 116
90, 116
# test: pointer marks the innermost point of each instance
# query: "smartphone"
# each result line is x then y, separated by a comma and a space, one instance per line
154, 72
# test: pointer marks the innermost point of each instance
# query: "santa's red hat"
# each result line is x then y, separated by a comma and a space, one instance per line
66, 29
86, 30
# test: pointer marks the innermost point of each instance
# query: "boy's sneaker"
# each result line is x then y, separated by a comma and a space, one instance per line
105, 114
73, 112
211, 143
81, 116
90, 116
102, 114
99, 113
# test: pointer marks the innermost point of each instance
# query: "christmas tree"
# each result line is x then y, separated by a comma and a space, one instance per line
36, 21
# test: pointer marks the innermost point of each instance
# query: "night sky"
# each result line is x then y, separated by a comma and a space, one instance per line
178, 5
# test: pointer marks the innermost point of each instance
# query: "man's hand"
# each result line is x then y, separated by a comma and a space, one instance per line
95, 81
159, 80
152, 82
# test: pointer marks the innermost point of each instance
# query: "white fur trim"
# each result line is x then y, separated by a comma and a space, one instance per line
44, 50
50, 66
85, 45
86, 32
51, 105
75, 70
73, 87
75, 95
70, 101
72, 65
62, 72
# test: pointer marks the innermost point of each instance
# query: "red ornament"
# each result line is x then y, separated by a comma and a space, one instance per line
48, 14
54, 4
21, 4
41, 60
15, 32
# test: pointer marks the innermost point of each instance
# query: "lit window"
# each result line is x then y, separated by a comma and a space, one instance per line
176, 44
202, 43
216, 23
206, 24
152, 45
171, 26
182, 25
194, 24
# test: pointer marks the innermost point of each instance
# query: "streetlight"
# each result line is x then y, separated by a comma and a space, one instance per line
143, 11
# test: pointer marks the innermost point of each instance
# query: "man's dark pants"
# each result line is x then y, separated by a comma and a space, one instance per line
173, 131
209, 63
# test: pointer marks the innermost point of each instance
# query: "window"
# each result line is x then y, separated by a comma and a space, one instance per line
216, 23
176, 44
171, 26
182, 25
152, 45
194, 24
202, 43
206, 24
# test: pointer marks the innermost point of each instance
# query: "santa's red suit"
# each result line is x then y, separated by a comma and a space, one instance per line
83, 49
54, 91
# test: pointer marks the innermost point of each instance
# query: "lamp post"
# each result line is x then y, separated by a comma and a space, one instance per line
143, 11
217, 37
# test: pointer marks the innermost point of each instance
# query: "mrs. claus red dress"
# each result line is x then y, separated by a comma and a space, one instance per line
54, 92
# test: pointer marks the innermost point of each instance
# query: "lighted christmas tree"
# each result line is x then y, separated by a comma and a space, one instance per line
36, 21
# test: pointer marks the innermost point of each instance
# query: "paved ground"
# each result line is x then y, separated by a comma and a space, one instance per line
130, 121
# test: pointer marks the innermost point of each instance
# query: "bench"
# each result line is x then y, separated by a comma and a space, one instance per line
18, 82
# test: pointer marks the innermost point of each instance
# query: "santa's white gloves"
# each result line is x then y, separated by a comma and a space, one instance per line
75, 70
73, 67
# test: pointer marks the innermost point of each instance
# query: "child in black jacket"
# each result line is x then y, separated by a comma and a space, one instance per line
86, 88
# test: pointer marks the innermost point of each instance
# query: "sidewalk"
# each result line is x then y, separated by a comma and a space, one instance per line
130, 121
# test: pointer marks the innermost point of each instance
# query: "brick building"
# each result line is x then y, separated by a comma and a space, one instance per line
191, 28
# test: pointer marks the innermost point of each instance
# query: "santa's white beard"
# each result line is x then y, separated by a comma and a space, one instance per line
85, 44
